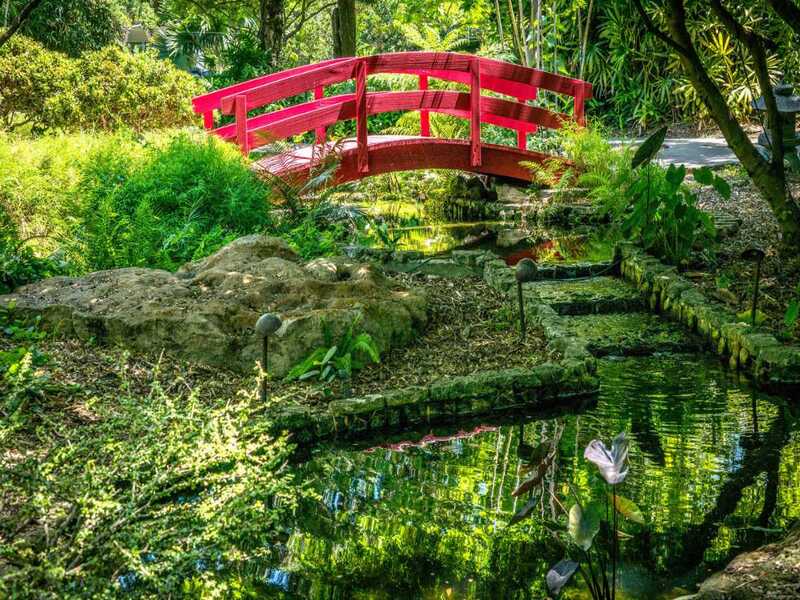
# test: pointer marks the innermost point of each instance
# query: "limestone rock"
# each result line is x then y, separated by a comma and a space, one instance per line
207, 310
772, 571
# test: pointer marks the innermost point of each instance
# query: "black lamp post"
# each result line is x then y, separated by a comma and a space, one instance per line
266, 325
525, 272
756, 255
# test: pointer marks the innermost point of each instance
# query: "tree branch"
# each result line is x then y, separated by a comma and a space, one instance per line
652, 28
23, 15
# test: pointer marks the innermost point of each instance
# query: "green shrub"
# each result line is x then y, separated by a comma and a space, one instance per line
30, 77
140, 204
118, 200
105, 89
158, 493
114, 88
74, 27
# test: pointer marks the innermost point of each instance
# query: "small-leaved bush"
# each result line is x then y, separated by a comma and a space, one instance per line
21, 384
152, 496
104, 89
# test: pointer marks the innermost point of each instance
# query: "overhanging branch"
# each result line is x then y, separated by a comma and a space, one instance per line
23, 15
756, 46
788, 11
652, 28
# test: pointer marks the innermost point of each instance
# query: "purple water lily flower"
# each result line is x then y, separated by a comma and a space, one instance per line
613, 464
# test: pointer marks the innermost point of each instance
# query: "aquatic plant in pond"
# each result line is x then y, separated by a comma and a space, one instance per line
597, 565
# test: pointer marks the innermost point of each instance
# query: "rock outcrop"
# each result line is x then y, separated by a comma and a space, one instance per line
206, 311
772, 571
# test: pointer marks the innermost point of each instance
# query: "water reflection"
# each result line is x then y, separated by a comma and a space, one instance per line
714, 467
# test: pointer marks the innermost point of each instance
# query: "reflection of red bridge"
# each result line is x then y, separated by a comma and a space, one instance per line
366, 154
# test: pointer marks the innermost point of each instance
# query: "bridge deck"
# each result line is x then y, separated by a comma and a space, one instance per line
388, 153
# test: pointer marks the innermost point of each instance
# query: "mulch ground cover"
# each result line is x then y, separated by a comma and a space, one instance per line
731, 278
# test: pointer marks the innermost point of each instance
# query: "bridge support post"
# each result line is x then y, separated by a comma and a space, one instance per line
319, 94
208, 120
241, 124
475, 112
424, 115
361, 117
579, 110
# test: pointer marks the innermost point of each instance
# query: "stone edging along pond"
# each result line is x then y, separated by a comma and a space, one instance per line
772, 364
570, 374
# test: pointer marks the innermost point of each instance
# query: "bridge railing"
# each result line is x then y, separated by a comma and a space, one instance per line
478, 73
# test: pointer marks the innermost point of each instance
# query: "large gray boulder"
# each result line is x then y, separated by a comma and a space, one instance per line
207, 310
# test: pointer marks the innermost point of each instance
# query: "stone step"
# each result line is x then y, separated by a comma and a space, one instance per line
589, 296
631, 334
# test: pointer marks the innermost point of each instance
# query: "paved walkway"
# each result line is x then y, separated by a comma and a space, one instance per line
692, 152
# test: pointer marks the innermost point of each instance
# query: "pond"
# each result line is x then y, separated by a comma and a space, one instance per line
429, 518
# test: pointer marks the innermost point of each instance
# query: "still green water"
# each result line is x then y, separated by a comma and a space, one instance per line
714, 468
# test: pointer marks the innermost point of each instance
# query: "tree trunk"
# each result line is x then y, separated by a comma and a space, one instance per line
768, 177
343, 20
272, 28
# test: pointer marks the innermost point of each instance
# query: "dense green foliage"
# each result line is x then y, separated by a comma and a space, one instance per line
104, 89
18, 263
120, 200
647, 203
151, 206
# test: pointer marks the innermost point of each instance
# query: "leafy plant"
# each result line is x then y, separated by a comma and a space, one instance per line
388, 237
147, 499
18, 264
649, 149
337, 358
20, 382
161, 205
663, 213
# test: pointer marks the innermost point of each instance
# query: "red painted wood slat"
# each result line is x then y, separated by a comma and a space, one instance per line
361, 117
300, 118
475, 112
319, 94
292, 86
424, 115
408, 154
241, 124
212, 100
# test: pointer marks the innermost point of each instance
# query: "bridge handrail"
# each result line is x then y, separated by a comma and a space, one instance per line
327, 111
206, 104
478, 72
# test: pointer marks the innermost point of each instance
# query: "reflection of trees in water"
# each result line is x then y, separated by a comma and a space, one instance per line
761, 456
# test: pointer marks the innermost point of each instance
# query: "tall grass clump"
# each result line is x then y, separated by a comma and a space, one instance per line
118, 200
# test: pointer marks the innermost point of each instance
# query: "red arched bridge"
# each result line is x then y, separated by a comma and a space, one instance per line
368, 154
